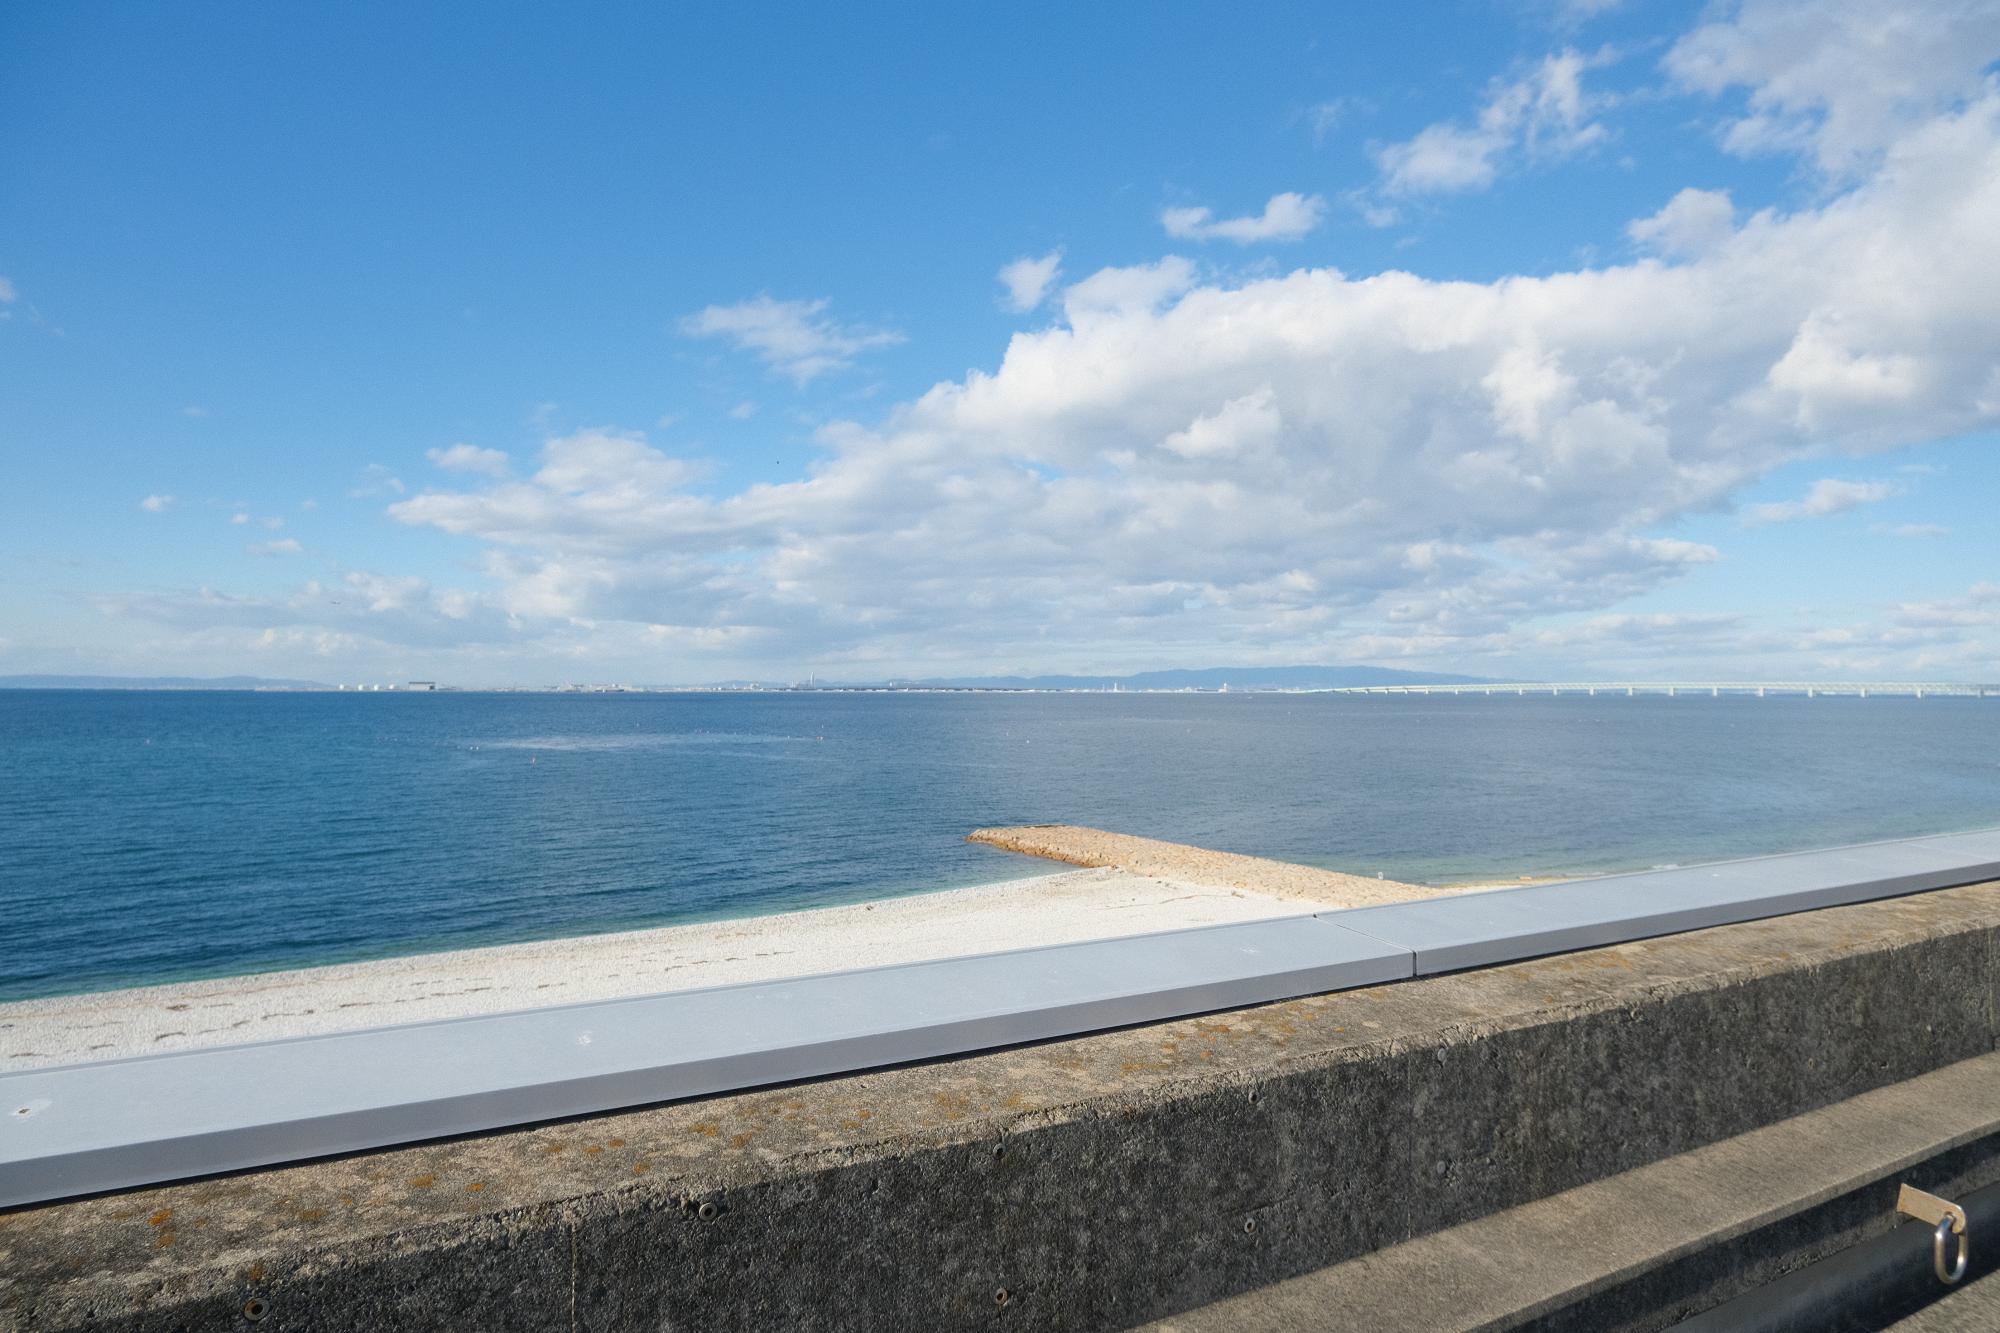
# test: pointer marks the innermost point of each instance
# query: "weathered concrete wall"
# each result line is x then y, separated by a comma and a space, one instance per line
1080, 1184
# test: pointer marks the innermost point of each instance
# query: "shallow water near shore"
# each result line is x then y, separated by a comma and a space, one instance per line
149, 837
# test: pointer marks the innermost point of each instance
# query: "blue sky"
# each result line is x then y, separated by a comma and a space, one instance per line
370, 342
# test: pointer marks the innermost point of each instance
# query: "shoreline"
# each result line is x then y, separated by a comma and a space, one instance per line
1131, 886
1060, 908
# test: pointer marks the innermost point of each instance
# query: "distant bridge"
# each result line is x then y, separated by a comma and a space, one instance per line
1811, 689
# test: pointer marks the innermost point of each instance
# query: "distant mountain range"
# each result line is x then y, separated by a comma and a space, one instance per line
1210, 678
155, 683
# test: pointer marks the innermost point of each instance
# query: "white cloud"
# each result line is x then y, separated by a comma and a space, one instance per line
1839, 80
7, 293
1545, 114
1978, 608
361, 612
194, 412
1239, 424
1286, 217
1298, 466
743, 411
795, 338
1313, 463
283, 546
1027, 281
157, 504
1691, 223
1824, 498
1137, 287
239, 518
469, 458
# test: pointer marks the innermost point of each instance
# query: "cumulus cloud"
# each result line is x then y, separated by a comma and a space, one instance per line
1824, 498
1317, 460
798, 339
1840, 80
157, 504
1302, 465
1690, 223
1545, 114
1134, 287
1286, 217
1027, 281
469, 458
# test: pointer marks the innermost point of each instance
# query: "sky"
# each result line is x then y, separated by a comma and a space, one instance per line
503, 344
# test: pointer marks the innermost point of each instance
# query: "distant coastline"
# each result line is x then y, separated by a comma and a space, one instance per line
1176, 681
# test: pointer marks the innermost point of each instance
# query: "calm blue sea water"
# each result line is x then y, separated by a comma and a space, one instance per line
147, 837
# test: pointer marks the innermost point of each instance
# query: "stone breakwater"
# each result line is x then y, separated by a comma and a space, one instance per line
1077, 845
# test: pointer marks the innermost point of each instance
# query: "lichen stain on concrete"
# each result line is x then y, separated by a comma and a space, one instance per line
1593, 960
423, 1182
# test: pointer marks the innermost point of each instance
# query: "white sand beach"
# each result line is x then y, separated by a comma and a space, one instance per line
1135, 885
1049, 909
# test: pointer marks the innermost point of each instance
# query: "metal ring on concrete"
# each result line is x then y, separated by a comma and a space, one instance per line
1940, 1243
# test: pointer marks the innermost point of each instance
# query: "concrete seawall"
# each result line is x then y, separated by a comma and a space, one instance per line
1090, 1183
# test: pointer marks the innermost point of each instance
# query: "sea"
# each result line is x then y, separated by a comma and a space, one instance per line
149, 837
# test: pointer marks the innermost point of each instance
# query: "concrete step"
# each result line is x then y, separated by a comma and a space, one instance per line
1973, 1308
1536, 1261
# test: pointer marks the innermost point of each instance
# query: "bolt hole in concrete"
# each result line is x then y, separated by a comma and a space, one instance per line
708, 1212
254, 1310
1249, 1226
1001, 1297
